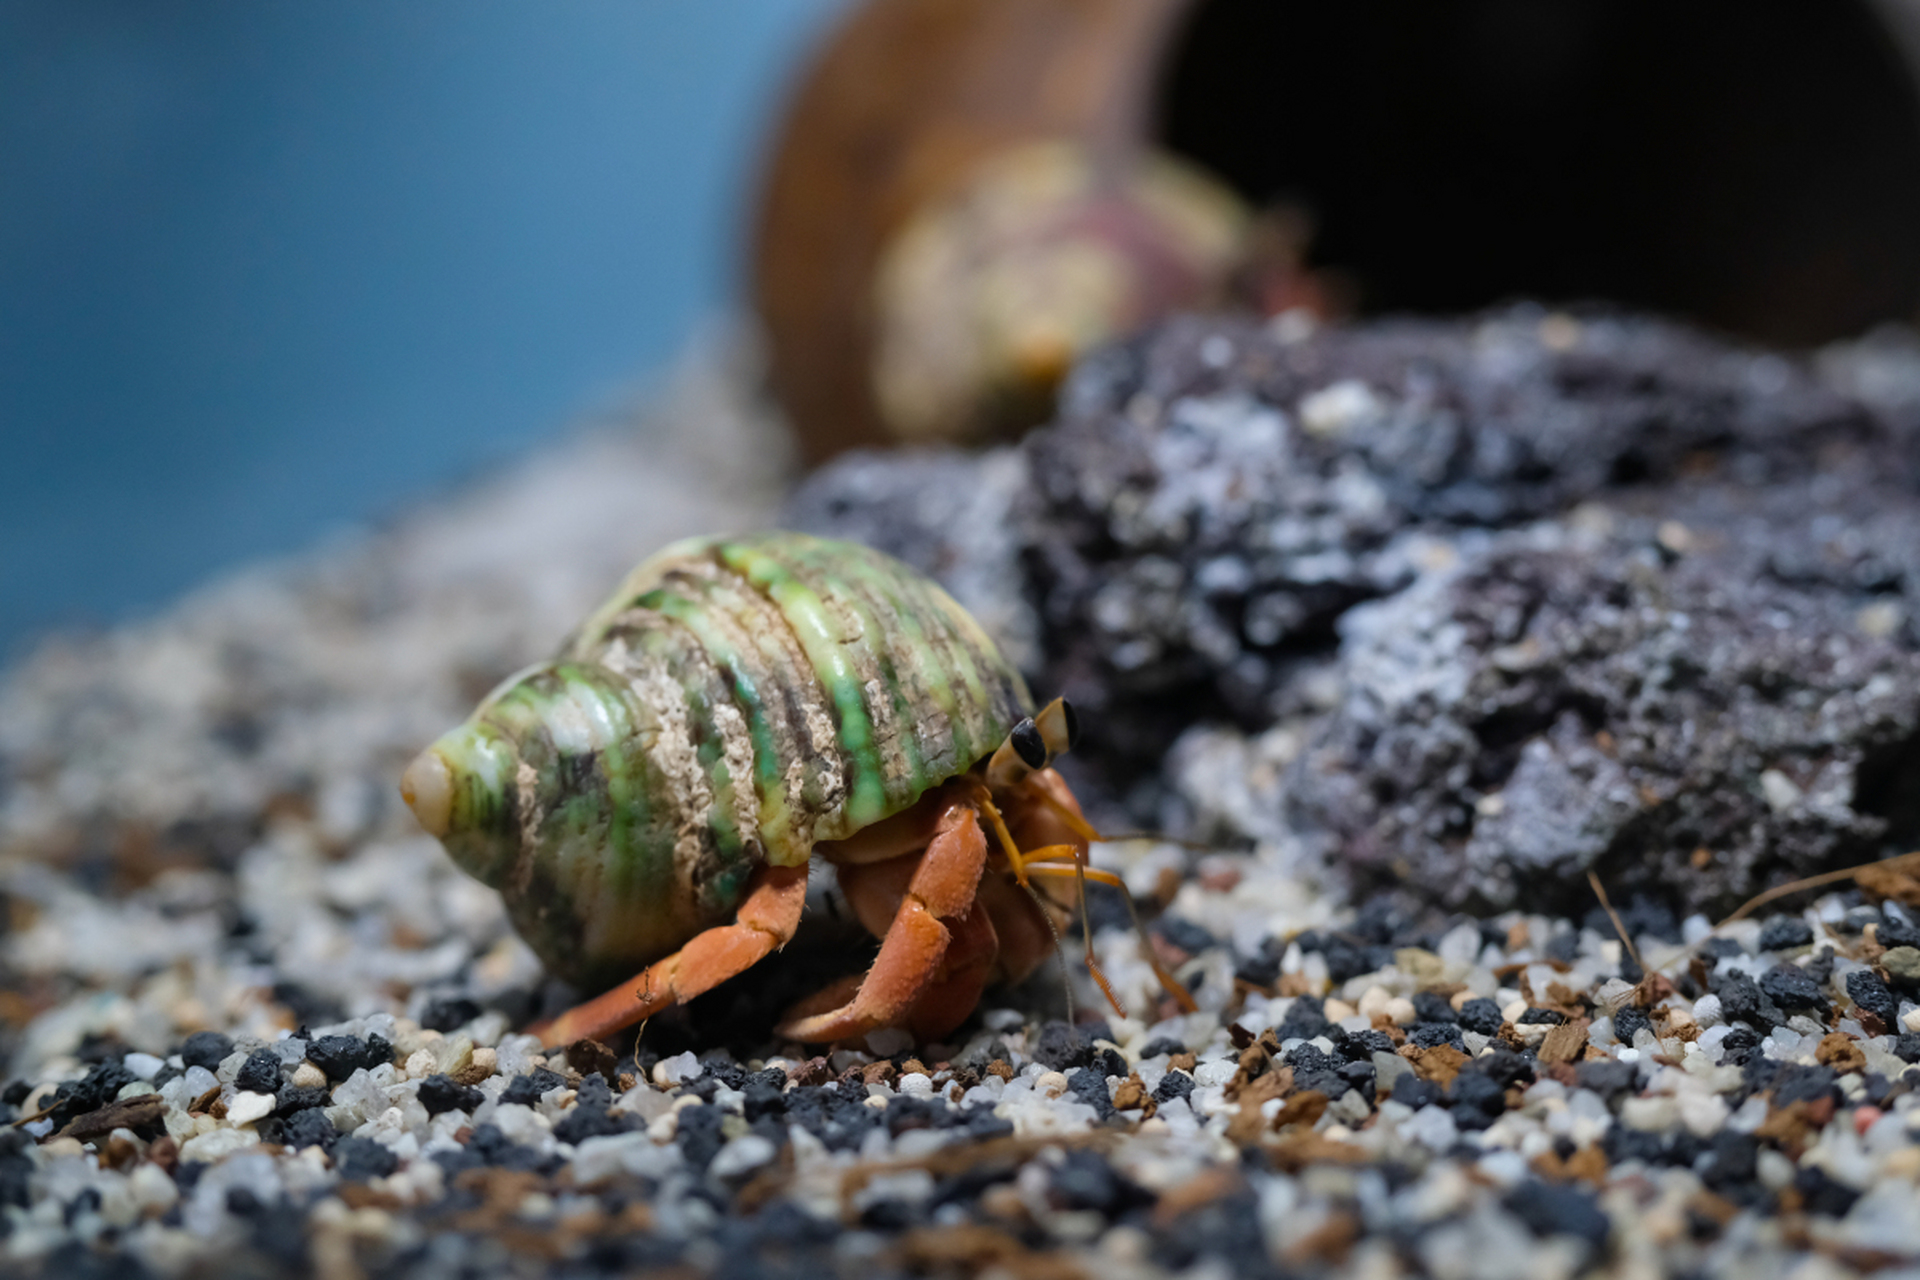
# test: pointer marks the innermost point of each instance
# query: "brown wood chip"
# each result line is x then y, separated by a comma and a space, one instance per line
1440, 1063
1247, 1127
1303, 1108
1331, 1241
1896, 881
976, 1247
127, 1113
590, 1056
1588, 1164
1652, 989
1565, 998
1796, 1125
812, 1071
474, 1072
358, 1195
1296, 1151
1566, 1042
1839, 1050
1131, 1095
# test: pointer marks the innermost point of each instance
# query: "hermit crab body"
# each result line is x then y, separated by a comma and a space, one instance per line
647, 802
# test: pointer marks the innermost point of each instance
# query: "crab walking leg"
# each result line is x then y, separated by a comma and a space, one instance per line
955, 991
943, 889
1039, 863
1059, 808
972, 952
1045, 862
765, 922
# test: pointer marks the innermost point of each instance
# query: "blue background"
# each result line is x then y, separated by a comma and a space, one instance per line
269, 269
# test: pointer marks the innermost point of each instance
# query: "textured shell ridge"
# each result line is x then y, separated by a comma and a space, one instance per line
734, 702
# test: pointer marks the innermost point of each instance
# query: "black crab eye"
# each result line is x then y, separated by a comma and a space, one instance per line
1028, 745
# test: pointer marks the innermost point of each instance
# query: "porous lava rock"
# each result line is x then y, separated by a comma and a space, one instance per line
1468, 606
1215, 496
1690, 723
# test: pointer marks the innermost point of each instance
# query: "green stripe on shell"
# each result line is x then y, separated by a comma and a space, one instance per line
735, 701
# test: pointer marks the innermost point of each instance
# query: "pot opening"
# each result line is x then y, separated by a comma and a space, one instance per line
1753, 165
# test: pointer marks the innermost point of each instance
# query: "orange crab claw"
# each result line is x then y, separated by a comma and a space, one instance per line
765, 922
914, 954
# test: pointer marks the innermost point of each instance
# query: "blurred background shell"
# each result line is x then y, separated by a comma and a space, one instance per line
966, 193
985, 297
898, 113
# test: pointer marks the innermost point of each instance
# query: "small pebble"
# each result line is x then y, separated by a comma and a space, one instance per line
144, 1065
1867, 991
1481, 1015
1783, 933
1792, 987
247, 1107
260, 1073
206, 1049
677, 1070
1903, 967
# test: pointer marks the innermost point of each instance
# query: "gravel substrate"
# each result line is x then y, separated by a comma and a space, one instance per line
256, 1024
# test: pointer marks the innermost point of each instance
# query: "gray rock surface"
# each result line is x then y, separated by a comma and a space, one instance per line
1532, 592
1695, 722
1214, 498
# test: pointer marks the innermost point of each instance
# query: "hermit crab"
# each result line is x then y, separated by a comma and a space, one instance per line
648, 802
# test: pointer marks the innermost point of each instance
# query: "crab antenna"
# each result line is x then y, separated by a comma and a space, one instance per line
1059, 947
1170, 984
1086, 934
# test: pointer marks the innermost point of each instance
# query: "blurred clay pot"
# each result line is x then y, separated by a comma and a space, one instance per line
1750, 165
986, 296
905, 103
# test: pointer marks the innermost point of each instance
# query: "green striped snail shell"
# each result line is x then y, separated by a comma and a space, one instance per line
736, 701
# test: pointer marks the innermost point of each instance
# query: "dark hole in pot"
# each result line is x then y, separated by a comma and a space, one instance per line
1750, 164
1889, 788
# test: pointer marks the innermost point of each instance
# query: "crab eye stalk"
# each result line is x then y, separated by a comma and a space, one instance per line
1059, 727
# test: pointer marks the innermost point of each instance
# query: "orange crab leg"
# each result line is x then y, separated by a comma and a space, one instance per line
765, 922
1043, 784
911, 955
1043, 862
952, 995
